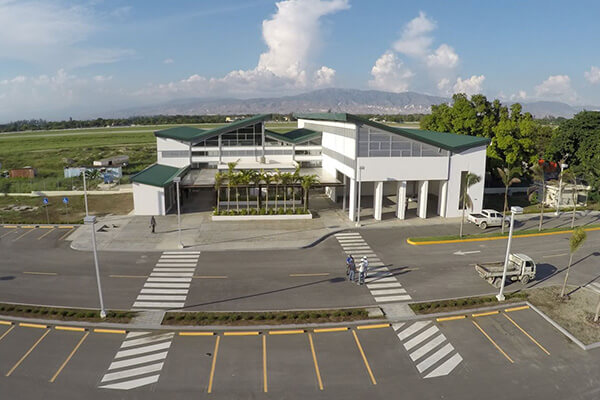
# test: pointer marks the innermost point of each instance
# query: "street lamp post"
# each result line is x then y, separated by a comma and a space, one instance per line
85, 193
559, 195
91, 220
514, 210
360, 168
177, 180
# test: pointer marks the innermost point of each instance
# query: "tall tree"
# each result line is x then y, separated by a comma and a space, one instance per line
469, 179
286, 179
575, 242
307, 182
569, 178
508, 177
539, 177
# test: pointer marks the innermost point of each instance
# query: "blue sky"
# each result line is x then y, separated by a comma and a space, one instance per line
84, 59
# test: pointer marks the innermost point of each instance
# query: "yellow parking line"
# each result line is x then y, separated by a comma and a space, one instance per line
66, 227
214, 363
98, 330
362, 353
289, 332
28, 325
68, 358
28, 352
483, 314
46, 227
246, 333
451, 318
39, 273
47, 233
322, 330
26, 233
492, 341
65, 235
5, 323
315, 274
516, 309
264, 343
361, 327
196, 333
527, 334
7, 332
69, 328
28, 226
314, 355
10, 226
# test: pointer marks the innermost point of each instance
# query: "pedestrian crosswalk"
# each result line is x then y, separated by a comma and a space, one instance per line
428, 348
139, 361
169, 282
382, 283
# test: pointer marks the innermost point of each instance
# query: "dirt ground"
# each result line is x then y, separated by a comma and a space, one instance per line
575, 314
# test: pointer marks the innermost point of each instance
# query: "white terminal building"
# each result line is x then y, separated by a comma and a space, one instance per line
348, 153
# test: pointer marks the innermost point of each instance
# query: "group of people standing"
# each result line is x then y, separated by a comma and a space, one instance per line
352, 269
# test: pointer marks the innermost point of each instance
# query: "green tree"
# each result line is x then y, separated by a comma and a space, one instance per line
307, 182
267, 178
277, 181
508, 177
469, 179
539, 177
575, 242
286, 179
569, 178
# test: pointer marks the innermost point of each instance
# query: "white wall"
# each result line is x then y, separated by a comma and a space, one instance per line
148, 200
165, 144
472, 160
403, 168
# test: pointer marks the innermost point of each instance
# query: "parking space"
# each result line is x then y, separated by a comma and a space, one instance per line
37, 235
189, 363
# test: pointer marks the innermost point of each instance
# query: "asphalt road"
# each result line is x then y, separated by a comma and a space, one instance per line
496, 360
38, 267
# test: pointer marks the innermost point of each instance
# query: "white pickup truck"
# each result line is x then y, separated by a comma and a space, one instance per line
487, 218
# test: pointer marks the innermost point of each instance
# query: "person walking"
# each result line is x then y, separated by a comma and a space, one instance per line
349, 261
362, 271
152, 223
352, 270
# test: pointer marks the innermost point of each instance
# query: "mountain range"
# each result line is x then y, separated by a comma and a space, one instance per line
334, 100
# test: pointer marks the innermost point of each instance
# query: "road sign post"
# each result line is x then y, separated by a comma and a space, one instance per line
66, 201
45, 201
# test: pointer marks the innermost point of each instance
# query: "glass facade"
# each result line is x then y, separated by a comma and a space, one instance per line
375, 143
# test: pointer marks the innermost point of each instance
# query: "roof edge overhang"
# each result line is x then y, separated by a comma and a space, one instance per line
177, 172
310, 134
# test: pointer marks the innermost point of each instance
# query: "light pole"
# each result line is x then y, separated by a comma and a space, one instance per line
514, 210
559, 195
360, 168
85, 192
91, 220
177, 179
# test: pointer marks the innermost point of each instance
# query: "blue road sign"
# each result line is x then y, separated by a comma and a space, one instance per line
45, 200
66, 200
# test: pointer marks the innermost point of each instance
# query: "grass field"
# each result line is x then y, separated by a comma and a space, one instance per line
99, 205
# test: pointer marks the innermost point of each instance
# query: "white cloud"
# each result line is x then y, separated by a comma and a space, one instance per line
415, 41
51, 34
519, 96
443, 85
292, 36
390, 74
443, 57
593, 75
102, 78
168, 61
324, 76
556, 87
469, 86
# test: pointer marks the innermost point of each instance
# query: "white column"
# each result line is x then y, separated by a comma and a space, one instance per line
443, 198
352, 201
378, 200
401, 201
423, 192
345, 192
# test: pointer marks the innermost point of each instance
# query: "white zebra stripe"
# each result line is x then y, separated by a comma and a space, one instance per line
165, 297
435, 357
417, 326
446, 367
432, 330
150, 304
426, 348
181, 252
384, 285
173, 274
146, 340
387, 291
138, 360
143, 350
164, 291
386, 299
132, 372
166, 285
162, 279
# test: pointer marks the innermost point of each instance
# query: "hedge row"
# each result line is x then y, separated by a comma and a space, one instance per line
467, 302
65, 314
248, 318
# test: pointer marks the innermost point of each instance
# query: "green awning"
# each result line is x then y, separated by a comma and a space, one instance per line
158, 175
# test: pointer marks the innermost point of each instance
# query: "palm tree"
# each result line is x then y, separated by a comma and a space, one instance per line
286, 179
218, 183
577, 239
509, 177
231, 167
246, 178
469, 180
539, 176
570, 177
277, 179
294, 182
307, 182
236, 180
267, 178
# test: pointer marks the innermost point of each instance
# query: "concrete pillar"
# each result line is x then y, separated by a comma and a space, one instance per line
401, 202
377, 200
443, 198
423, 192
352, 201
345, 182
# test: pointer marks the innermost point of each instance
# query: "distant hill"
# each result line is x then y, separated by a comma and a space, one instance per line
337, 100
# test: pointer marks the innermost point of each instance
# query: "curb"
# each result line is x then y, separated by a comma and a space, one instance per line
409, 241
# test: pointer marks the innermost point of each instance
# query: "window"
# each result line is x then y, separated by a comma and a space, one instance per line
175, 153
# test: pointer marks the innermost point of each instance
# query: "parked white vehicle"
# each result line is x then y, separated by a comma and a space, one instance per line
487, 218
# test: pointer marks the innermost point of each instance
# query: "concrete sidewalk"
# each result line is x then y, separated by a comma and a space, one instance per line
198, 232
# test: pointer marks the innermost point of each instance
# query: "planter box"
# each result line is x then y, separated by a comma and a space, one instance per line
261, 217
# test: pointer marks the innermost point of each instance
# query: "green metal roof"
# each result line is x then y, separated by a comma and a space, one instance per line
293, 137
158, 175
190, 134
448, 141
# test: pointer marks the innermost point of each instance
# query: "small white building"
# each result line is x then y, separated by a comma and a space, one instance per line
569, 195
344, 150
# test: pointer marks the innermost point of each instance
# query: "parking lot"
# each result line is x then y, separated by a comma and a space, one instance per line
37, 235
503, 345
